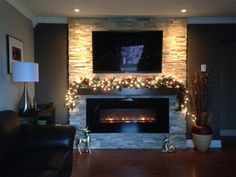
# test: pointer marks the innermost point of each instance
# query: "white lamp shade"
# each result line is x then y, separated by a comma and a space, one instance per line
25, 72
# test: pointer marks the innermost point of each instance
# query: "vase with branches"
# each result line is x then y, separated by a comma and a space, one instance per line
198, 94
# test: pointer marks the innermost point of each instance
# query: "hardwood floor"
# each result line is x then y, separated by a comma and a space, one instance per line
154, 163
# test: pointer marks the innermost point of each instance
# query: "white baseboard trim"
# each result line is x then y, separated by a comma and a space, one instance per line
214, 144
230, 132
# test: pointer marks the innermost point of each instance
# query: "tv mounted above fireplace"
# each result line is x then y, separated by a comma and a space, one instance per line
127, 51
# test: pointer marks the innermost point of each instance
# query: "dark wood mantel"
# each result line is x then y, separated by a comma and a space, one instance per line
128, 91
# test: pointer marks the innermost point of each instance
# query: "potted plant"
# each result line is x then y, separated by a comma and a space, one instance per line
198, 87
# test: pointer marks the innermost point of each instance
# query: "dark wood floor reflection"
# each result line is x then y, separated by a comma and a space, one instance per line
154, 163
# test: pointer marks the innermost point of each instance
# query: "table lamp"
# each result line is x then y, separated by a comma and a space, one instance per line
25, 72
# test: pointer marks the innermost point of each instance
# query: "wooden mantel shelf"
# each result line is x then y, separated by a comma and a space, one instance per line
128, 91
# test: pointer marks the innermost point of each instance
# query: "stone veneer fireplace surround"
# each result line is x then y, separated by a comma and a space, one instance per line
173, 64
173, 52
177, 123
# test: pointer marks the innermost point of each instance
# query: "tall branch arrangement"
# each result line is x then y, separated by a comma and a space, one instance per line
198, 92
108, 84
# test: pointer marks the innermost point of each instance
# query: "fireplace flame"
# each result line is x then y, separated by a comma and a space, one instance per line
128, 120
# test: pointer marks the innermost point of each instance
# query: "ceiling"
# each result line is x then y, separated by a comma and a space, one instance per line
160, 8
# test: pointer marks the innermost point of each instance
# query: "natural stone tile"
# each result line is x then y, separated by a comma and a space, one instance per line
173, 64
174, 39
133, 140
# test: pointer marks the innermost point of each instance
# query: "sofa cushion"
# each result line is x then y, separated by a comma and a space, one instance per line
34, 151
9, 135
47, 137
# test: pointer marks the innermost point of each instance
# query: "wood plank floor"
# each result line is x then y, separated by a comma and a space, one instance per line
154, 163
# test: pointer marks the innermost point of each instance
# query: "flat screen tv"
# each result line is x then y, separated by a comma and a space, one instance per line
127, 51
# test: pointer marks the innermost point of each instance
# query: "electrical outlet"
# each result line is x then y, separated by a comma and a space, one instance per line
203, 67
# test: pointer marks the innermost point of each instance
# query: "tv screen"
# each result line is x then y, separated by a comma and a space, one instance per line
127, 52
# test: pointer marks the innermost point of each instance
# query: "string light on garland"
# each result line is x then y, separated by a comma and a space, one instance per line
108, 84
71, 96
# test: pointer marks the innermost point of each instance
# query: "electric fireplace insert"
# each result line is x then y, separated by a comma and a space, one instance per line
128, 115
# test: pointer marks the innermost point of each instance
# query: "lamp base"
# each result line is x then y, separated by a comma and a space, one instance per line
24, 105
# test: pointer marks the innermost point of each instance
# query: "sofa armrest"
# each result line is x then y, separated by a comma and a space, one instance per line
34, 137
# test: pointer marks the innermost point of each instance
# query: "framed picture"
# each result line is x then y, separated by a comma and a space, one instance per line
15, 51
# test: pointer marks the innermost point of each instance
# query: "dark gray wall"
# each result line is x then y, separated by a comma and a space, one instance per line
214, 45
51, 43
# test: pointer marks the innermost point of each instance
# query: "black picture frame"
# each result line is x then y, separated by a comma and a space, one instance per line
15, 51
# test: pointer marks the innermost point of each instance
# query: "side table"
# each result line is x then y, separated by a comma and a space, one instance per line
44, 116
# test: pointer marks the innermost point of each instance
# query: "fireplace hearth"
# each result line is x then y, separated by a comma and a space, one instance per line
128, 115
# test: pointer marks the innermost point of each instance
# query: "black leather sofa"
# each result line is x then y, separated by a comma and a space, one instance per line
34, 151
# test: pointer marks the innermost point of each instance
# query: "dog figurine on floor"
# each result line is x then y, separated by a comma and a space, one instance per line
167, 146
83, 139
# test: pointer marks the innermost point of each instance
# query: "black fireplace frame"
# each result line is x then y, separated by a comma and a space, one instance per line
161, 124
